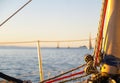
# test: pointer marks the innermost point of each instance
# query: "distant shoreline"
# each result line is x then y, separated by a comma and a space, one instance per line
28, 47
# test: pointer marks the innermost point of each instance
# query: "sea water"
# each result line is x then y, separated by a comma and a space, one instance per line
22, 63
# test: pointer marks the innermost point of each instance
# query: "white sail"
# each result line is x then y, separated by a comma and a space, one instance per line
112, 29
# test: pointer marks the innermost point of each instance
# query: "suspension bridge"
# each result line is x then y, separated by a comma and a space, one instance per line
57, 44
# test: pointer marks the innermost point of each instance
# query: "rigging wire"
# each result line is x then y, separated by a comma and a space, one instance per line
15, 13
62, 74
98, 46
75, 78
65, 77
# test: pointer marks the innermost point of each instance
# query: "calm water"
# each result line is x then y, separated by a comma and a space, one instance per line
23, 63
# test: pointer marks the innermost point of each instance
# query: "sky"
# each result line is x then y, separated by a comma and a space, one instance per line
50, 20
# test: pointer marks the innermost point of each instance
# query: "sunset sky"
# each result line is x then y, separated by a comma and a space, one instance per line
49, 20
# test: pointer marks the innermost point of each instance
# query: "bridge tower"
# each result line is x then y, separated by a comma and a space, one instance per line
90, 43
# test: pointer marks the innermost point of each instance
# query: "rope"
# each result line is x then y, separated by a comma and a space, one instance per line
100, 34
15, 13
64, 77
63, 73
75, 78
9, 78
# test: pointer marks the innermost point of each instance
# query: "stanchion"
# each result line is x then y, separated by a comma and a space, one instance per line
40, 62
